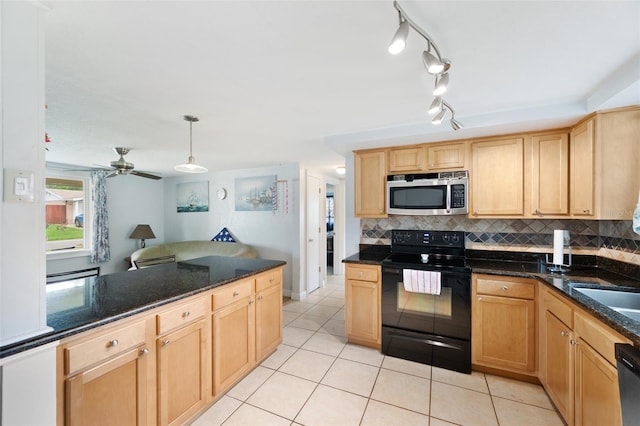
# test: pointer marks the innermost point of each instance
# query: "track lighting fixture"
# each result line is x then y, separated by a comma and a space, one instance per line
190, 166
433, 62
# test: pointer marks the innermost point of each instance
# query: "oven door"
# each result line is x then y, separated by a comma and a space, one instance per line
447, 314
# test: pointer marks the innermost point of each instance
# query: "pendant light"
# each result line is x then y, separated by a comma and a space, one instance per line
190, 166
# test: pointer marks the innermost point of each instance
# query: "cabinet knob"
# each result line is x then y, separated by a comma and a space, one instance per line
112, 343
235, 293
505, 288
574, 342
564, 333
271, 280
186, 314
166, 342
360, 274
144, 351
585, 211
479, 298
475, 212
251, 301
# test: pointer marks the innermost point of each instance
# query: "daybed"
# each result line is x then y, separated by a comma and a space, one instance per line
185, 250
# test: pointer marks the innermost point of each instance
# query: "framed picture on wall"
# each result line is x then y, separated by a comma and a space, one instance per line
255, 193
192, 197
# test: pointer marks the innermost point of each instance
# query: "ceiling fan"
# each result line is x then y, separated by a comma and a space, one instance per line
123, 167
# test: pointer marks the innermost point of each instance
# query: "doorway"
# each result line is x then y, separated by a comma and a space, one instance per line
330, 219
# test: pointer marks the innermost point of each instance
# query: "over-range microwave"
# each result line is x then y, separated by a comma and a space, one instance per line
444, 193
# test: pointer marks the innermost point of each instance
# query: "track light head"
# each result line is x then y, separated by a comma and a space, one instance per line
441, 84
438, 118
431, 63
435, 106
399, 40
455, 124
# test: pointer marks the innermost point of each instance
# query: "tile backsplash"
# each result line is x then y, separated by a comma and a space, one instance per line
609, 238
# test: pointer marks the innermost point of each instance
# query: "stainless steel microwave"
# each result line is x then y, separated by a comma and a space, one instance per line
443, 193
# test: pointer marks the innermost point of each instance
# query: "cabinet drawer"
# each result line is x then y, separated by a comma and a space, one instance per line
506, 288
598, 336
268, 279
105, 345
558, 308
183, 314
363, 273
231, 293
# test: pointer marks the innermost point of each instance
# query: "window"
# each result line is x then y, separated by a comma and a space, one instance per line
67, 214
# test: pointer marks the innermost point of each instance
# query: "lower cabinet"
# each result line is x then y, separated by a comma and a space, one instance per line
363, 323
268, 314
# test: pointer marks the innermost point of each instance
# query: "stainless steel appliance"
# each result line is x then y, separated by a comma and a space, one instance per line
432, 327
628, 360
443, 193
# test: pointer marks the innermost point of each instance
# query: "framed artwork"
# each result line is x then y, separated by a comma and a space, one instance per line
255, 193
192, 197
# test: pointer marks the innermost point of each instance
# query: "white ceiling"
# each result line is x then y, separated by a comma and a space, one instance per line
307, 81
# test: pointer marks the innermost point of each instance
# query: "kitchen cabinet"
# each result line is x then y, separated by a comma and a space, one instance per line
449, 156
582, 169
503, 328
497, 180
370, 184
363, 323
233, 333
107, 375
549, 175
268, 313
402, 160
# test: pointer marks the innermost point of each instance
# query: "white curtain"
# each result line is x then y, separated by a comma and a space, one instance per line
100, 252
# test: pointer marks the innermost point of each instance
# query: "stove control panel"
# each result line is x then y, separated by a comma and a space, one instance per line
414, 237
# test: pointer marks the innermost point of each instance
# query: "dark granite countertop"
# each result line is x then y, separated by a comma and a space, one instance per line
586, 271
82, 304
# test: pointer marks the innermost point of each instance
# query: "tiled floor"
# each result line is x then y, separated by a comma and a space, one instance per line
317, 378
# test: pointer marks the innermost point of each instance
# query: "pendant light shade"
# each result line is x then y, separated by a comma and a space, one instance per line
190, 166
399, 40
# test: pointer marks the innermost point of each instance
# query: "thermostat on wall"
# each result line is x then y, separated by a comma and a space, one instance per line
18, 185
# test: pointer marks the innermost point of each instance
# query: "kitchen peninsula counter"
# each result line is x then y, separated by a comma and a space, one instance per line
83, 304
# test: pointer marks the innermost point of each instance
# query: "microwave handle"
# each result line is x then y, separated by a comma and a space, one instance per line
448, 198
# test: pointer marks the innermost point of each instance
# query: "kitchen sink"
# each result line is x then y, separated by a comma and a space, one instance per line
625, 302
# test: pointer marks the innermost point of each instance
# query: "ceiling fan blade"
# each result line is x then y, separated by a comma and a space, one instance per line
145, 175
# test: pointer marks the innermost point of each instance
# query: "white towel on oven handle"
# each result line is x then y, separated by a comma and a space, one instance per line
417, 281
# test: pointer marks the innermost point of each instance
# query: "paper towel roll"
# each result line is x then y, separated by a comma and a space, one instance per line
558, 246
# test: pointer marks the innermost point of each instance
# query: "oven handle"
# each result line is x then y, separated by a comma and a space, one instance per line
427, 341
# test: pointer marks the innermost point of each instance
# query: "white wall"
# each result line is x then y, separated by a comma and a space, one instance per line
275, 236
352, 223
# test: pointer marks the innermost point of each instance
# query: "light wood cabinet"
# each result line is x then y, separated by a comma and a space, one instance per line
268, 313
497, 179
370, 184
406, 160
503, 329
233, 336
362, 304
582, 169
446, 156
549, 175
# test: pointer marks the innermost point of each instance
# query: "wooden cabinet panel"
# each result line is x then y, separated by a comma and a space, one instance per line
582, 170
497, 178
370, 184
446, 156
363, 273
558, 375
406, 159
268, 321
559, 308
232, 293
181, 373
505, 287
363, 323
182, 315
550, 175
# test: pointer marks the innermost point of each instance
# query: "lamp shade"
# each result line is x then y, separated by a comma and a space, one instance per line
142, 232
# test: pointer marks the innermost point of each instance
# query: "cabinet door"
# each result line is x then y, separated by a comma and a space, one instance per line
503, 331
497, 178
370, 184
596, 392
450, 156
406, 160
363, 324
233, 343
112, 393
558, 374
268, 321
550, 174
581, 151
181, 373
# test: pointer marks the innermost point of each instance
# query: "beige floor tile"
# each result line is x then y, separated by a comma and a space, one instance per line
328, 406
294, 336
312, 298
322, 291
335, 327
328, 344
325, 312
308, 365
340, 315
276, 359
362, 354
308, 322
338, 294
351, 376
250, 383
332, 302
402, 390
512, 413
474, 381
380, 414
297, 306
218, 412
287, 316
462, 406
438, 422
409, 367
283, 395
247, 415
518, 391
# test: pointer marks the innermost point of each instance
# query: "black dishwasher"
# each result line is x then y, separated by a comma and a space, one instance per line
628, 360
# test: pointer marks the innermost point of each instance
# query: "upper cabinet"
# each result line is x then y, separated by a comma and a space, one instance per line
370, 184
406, 160
497, 187
582, 167
548, 156
446, 156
